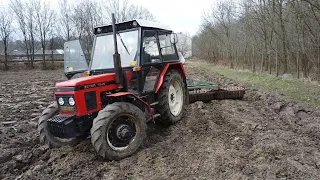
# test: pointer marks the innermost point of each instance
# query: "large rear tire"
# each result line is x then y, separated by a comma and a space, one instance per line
118, 130
45, 136
172, 98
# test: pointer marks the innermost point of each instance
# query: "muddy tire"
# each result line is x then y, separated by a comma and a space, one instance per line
172, 98
45, 136
118, 130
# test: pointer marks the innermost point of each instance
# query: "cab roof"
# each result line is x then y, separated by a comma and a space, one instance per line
131, 24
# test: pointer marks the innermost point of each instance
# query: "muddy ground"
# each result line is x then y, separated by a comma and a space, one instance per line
259, 137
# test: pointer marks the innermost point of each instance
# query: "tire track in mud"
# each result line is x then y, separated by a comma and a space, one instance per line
284, 135
261, 136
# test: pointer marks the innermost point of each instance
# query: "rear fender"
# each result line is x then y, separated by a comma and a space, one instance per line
177, 66
128, 94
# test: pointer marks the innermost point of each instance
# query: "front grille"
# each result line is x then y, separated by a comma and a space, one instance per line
91, 102
62, 126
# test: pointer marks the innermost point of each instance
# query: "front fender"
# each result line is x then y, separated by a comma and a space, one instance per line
177, 66
128, 94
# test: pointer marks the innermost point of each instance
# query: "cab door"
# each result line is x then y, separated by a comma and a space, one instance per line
151, 61
74, 59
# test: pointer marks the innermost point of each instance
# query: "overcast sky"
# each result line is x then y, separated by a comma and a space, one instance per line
181, 15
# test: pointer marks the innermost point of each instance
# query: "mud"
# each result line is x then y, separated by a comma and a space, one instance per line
262, 136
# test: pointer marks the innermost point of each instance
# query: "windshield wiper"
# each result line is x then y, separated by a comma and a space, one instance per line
123, 43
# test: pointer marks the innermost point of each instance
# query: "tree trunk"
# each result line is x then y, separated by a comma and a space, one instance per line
52, 59
253, 65
319, 64
277, 64
304, 65
27, 50
32, 50
269, 59
262, 62
231, 62
44, 58
245, 61
284, 38
298, 68
5, 54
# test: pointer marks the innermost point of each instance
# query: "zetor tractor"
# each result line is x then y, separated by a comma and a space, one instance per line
118, 96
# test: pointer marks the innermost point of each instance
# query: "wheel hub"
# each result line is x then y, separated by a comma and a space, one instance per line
124, 132
121, 132
172, 97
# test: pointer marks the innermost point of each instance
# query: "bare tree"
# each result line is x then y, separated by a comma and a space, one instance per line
71, 21
6, 18
125, 11
19, 9
287, 33
184, 44
31, 8
85, 16
44, 18
65, 18
222, 17
88, 14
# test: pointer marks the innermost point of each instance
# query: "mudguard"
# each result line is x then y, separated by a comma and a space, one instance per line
119, 94
177, 66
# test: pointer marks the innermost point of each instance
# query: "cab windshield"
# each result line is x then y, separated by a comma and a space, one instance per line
104, 49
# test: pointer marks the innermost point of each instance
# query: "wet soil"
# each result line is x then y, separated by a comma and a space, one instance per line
262, 136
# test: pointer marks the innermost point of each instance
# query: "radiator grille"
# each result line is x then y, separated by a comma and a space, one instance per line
91, 102
62, 126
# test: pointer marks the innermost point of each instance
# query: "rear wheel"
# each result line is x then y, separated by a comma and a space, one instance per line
118, 130
172, 98
45, 136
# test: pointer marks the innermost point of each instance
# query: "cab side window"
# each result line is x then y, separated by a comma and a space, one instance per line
167, 49
150, 52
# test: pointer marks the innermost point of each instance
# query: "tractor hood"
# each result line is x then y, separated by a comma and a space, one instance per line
88, 81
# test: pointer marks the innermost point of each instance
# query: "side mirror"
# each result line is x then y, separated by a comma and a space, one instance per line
174, 38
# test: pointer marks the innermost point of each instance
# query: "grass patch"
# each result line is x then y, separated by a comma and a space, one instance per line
296, 90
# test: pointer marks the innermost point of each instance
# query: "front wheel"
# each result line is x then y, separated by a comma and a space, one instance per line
118, 130
45, 135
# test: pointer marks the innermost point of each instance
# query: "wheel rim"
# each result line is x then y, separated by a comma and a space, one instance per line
122, 131
175, 98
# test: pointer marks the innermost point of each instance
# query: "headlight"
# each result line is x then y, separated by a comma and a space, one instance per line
61, 101
71, 101
99, 30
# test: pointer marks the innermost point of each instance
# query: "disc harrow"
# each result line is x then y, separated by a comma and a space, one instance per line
205, 92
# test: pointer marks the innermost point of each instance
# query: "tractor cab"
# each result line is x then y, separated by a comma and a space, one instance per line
139, 42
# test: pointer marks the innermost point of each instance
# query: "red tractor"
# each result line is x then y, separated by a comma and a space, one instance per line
120, 95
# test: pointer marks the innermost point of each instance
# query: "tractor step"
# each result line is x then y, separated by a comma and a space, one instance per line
154, 104
154, 116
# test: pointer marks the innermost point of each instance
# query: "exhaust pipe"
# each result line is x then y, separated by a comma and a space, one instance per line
116, 56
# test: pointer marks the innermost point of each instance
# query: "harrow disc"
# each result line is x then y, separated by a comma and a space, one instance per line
207, 96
